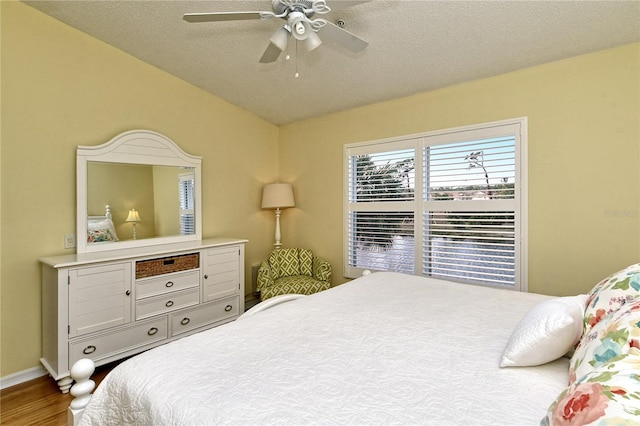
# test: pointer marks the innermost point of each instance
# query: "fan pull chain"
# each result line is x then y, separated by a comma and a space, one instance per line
288, 57
296, 75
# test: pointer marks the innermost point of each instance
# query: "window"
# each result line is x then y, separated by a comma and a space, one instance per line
187, 213
446, 204
382, 214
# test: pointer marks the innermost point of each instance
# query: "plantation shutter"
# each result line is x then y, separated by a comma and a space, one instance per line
381, 209
470, 208
449, 204
187, 212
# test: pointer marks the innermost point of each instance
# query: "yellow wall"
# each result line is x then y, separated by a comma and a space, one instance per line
584, 151
111, 184
62, 88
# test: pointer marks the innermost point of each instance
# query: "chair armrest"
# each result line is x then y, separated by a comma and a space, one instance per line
321, 269
265, 277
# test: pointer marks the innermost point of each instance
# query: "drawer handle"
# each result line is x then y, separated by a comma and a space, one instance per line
185, 321
169, 304
89, 350
228, 308
152, 331
128, 292
169, 284
206, 276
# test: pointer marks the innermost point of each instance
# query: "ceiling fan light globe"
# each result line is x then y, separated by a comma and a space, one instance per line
304, 33
299, 28
280, 38
312, 41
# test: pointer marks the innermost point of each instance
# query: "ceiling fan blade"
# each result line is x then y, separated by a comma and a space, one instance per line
225, 16
270, 54
333, 33
343, 4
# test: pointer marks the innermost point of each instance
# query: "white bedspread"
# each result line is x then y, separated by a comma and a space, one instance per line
383, 349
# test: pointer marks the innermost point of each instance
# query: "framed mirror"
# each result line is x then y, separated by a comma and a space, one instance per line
138, 189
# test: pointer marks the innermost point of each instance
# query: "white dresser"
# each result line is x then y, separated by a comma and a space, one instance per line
109, 305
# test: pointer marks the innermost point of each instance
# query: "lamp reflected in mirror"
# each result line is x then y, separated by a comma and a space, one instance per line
134, 218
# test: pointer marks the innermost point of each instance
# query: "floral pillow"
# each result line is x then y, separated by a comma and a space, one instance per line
607, 395
99, 236
611, 337
101, 230
611, 294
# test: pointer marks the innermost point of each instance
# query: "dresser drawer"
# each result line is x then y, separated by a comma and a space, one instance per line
148, 287
108, 344
167, 303
203, 315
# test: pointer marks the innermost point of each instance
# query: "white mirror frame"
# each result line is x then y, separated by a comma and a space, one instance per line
134, 147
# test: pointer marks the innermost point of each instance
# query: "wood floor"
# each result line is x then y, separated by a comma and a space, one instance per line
39, 402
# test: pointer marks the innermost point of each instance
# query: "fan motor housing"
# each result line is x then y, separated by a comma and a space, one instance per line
279, 6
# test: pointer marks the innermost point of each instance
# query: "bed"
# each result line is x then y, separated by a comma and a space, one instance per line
386, 348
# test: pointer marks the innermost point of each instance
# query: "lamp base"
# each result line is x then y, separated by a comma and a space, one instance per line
278, 244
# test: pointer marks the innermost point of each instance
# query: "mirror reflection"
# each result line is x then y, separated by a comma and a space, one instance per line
145, 201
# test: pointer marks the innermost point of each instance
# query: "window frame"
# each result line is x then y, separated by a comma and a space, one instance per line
186, 196
516, 127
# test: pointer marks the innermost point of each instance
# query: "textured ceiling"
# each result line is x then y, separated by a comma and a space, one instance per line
414, 46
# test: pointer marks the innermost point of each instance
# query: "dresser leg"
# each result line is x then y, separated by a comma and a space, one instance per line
65, 384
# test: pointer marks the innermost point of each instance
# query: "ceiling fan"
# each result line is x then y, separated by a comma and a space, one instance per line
301, 24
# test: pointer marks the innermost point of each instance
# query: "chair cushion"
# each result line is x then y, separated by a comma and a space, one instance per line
286, 262
297, 284
306, 262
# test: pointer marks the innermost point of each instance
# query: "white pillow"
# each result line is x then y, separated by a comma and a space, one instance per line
547, 332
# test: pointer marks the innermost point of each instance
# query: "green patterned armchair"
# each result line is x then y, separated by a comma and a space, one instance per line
293, 270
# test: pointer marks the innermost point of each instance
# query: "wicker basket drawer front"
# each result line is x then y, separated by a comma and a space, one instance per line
167, 265
154, 286
166, 303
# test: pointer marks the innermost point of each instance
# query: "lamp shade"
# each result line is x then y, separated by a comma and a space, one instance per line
277, 195
133, 216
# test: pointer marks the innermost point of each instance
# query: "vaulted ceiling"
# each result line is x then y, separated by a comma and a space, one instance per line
414, 46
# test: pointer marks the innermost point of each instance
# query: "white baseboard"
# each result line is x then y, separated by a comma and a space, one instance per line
22, 376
